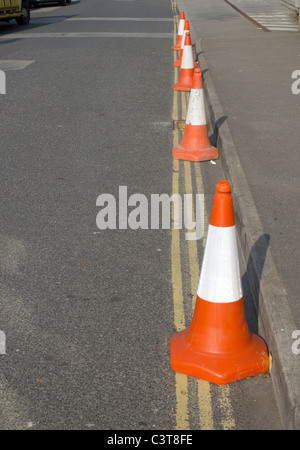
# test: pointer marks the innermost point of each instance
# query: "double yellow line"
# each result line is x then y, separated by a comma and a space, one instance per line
182, 170
204, 397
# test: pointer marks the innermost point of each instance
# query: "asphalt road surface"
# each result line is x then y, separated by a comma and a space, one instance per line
88, 313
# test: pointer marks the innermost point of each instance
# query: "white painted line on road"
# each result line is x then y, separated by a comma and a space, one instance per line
282, 29
121, 19
282, 21
270, 18
88, 35
276, 16
273, 19
276, 24
17, 64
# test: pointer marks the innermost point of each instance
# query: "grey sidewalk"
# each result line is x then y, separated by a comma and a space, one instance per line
247, 72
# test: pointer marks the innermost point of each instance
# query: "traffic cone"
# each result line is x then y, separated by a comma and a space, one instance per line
218, 346
186, 29
195, 145
185, 80
177, 46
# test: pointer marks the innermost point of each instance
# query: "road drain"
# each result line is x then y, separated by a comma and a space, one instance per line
178, 125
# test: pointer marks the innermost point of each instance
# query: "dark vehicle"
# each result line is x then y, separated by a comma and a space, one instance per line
40, 2
15, 9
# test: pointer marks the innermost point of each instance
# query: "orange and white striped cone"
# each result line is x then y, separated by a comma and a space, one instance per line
195, 144
218, 346
185, 80
177, 46
186, 29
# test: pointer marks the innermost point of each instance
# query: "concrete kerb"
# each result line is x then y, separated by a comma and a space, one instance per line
275, 320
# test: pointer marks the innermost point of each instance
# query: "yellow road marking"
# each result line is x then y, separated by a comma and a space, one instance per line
205, 407
200, 190
181, 380
192, 244
228, 421
204, 394
179, 319
182, 415
206, 421
182, 421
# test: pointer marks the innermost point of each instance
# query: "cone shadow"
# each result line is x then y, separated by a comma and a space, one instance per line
251, 280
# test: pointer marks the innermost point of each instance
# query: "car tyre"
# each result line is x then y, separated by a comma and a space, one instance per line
25, 17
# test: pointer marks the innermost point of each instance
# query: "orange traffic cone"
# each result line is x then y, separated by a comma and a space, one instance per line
185, 80
195, 145
186, 29
218, 346
177, 46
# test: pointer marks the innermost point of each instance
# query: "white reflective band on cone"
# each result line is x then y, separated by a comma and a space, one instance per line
187, 58
220, 280
183, 39
196, 110
181, 27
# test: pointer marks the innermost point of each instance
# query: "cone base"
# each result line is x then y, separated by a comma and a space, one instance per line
218, 368
182, 87
201, 154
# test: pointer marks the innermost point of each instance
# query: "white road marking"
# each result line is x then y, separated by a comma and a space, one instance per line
17, 64
272, 16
